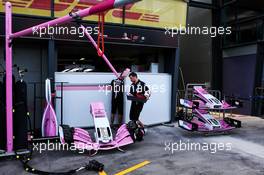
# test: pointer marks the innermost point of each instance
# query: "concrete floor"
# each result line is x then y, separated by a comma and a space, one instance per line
246, 156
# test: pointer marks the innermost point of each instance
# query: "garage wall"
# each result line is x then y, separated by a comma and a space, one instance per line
240, 62
82, 89
195, 50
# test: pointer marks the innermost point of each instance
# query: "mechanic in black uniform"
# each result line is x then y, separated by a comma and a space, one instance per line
140, 90
117, 100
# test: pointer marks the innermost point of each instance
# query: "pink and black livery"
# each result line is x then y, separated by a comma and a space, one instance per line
200, 119
103, 137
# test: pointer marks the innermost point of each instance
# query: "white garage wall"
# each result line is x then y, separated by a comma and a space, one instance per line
158, 108
78, 96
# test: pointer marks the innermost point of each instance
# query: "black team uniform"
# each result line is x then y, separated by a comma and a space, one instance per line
117, 97
138, 90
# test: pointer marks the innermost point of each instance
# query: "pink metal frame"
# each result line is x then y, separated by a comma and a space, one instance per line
9, 92
104, 6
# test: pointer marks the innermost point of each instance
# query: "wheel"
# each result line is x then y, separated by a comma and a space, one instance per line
66, 133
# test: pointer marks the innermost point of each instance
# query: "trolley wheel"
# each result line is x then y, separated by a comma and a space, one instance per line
67, 133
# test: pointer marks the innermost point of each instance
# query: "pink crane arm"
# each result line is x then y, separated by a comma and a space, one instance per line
103, 56
104, 6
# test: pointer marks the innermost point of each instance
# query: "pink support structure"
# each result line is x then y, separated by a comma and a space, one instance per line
104, 6
103, 56
9, 95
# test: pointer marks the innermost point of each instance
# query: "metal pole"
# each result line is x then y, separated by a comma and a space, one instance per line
175, 79
9, 93
35, 105
62, 103
52, 60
